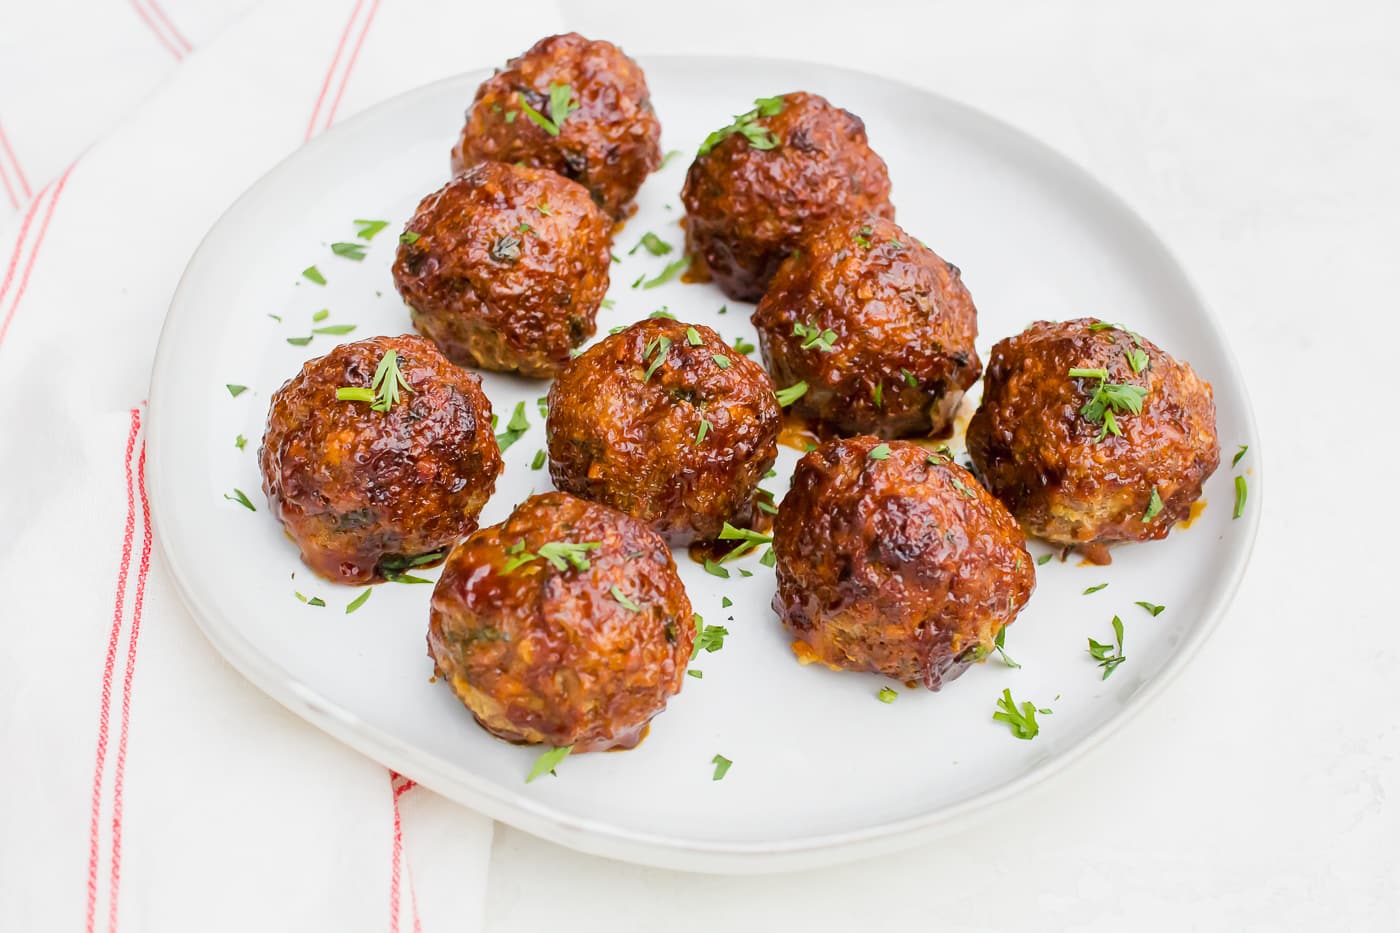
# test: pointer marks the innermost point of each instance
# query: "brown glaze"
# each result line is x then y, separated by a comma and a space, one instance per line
628, 441
609, 144
540, 654
905, 326
746, 207
902, 566
1038, 454
354, 486
508, 269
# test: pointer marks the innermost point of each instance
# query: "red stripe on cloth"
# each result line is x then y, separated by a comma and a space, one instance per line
20, 243
9, 192
330, 72
14, 161
105, 706
119, 773
395, 860
33, 254
151, 24
373, 8
175, 33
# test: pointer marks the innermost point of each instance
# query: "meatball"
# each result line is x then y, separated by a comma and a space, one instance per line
667, 423
788, 163
573, 106
368, 486
1092, 434
879, 328
565, 624
505, 268
891, 559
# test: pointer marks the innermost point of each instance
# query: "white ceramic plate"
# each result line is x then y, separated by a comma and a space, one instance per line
822, 770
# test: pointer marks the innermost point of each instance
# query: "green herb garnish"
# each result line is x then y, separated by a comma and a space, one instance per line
623, 599
721, 767
887, 695
539, 460
355, 251
515, 428
653, 244
720, 359
1000, 645
879, 452
1154, 506
369, 228
547, 762
314, 275
560, 106
334, 330
1106, 655
667, 274
360, 600
1152, 608
409, 237
1241, 494
241, 498
814, 336
235, 390
383, 393
791, 394
759, 137
1108, 398
715, 569
1239, 455
704, 430
1095, 588
661, 346
1022, 721
240, 441
750, 538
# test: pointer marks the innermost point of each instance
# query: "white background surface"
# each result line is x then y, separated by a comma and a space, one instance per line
1260, 792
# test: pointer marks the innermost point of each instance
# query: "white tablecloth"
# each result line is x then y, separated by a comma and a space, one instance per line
1259, 793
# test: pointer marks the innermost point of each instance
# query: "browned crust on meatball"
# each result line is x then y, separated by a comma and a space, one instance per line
506, 268
609, 144
901, 566
746, 207
1036, 451
540, 654
904, 328
629, 440
353, 486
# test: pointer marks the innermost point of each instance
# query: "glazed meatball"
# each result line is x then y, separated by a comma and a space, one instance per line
573, 106
565, 624
879, 328
790, 162
505, 268
891, 559
366, 486
1092, 434
667, 423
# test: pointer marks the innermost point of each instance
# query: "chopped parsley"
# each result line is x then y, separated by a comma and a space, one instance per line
1109, 656
565, 554
334, 330
662, 311
560, 106
1108, 399
1044, 559
321, 315
704, 430
1152, 608
1022, 720
744, 348
1154, 506
313, 601
313, 274
360, 600
750, 539
667, 274
235, 390
715, 569
1239, 455
769, 559
759, 137
887, 695
542, 403
241, 498
369, 228
1000, 645
692, 336
515, 428
879, 395
1241, 494
708, 638
383, 393
1137, 359
720, 359
909, 379
409, 237
791, 394
862, 236
1095, 588
721, 767
240, 441
725, 602
355, 251
660, 346
666, 159
623, 599
392, 567
879, 452
539, 460
298, 341
653, 244
814, 336
547, 762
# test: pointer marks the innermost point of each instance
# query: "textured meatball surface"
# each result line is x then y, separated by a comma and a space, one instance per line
878, 326
1066, 478
667, 423
505, 267
746, 206
609, 141
900, 565
357, 488
548, 651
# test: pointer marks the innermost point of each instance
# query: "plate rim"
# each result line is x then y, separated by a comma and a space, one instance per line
600, 837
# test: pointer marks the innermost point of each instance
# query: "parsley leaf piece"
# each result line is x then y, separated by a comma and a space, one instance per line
1022, 721
879, 452
240, 441
1095, 588
704, 430
697, 674
692, 336
887, 695
1044, 559
539, 461
235, 390
334, 329
565, 554
515, 428
313, 274
744, 348
1109, 656
814, 336
666, 159
715, 569
518, 557
909, 379
1239, 455
321, 315
721, 767
1241, 495
542, 403
1000, 645
791, 394
661, 346
653, 244
1152, 608
750, 538
547, 762
1108, 400
354, 394
355, 251
1154, 506
662, 311
298, 341
316, 601
387, 383
720, 359
769, 559
409, 237
1137, 359
623, 599
667, 274
759, 137
708, 638
369, 228
725, 602
360, 600
241, 498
